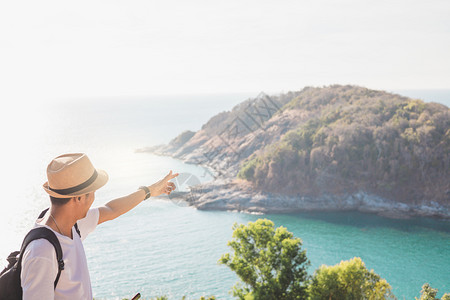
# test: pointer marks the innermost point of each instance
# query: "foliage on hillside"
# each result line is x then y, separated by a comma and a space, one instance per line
356, 139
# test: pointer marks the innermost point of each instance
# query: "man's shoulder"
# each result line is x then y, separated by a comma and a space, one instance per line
40, 248
92, 213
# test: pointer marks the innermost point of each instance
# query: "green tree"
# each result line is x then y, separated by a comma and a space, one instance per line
348, 280
428, 293
268, 260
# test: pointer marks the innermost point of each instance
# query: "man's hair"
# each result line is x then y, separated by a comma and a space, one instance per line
59, 201
62, 201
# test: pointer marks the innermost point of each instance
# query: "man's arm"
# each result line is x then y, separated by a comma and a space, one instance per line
119, 206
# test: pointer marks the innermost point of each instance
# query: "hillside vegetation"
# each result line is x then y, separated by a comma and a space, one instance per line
357, 139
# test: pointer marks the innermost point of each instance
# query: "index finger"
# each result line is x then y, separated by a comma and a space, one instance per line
171, 176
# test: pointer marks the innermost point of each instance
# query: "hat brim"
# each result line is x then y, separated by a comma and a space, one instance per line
101, 180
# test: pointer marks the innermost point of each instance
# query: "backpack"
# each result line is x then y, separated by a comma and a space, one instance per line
10, 284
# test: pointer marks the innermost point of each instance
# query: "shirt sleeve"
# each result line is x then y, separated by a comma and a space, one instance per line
39, 270
88, 223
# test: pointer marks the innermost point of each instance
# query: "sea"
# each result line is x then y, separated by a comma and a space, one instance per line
164, 247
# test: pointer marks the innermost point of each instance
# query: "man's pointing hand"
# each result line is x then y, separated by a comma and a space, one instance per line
163, 186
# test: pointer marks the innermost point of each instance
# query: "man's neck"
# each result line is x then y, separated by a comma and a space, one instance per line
61, 220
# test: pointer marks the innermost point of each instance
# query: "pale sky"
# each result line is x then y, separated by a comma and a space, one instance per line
53, 49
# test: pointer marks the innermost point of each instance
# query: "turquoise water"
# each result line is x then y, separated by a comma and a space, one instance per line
164, 249
161, 248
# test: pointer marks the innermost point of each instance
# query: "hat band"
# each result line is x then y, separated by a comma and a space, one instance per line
78, 187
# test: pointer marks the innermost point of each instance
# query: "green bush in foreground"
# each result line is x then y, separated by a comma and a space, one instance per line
428, 293
269, 261
272, 265
348, 280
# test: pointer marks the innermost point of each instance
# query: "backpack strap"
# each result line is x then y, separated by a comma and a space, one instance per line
77, 230
43, 233
42, 214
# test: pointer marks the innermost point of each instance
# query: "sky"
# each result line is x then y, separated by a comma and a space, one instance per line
84, 49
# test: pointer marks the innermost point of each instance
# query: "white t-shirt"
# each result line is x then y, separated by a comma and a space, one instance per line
39, 265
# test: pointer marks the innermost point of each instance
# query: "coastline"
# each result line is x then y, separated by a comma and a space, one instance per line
237, 195
234, 195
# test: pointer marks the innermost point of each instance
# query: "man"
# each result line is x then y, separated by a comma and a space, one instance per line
72, 182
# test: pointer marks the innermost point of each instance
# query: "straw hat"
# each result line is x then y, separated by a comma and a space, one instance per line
73, 174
